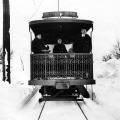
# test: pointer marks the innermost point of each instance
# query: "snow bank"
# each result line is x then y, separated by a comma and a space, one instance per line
19, 73
108, 69
107, 88
11, 99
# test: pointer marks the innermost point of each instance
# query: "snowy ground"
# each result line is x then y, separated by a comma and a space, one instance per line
14, 106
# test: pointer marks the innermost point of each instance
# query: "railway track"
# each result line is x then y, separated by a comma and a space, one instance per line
41, 110
84, 117
81, 110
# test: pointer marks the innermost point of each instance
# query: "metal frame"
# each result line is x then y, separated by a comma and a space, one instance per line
53, 82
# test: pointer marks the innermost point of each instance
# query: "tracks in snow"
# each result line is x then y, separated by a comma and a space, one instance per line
61, 110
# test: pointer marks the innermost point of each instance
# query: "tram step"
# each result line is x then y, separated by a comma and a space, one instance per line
61, 98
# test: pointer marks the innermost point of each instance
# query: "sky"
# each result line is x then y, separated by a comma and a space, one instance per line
104, 13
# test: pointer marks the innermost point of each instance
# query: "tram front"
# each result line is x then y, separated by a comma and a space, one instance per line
65, 68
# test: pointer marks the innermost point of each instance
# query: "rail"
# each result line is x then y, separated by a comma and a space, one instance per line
77, 65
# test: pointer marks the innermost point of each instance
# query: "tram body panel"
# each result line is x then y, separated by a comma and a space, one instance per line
77, 69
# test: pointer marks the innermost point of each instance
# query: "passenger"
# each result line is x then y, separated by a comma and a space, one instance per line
38, 45
86, 42
59, 47
83, 44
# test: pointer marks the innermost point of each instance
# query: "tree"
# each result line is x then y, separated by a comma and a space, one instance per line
116, 50
107, 57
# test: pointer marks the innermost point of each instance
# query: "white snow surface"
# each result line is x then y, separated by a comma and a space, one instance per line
15, 104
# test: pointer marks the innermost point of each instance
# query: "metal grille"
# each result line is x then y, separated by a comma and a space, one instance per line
45, 66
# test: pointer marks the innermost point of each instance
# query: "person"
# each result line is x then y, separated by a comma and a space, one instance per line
59, 47
83, 44
86, 42
38, 45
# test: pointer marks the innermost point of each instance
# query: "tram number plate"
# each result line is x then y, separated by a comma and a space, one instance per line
62, 85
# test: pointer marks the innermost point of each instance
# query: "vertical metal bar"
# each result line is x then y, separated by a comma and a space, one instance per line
82, 64
42, 66
78, 65
57, 64
55, 68
92, 92
31, 66
30, 55
68, 68
48, 64
45, 65
91, 37
52, 65
39, 62
91, 64
66, 64
74, 70
30, 40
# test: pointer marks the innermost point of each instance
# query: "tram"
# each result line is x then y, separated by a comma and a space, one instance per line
62, 75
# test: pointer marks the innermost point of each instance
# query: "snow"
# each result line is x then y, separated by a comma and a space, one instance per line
63, 110
19, 101
14, 101
108, 87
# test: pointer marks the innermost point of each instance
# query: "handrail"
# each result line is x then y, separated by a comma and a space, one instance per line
63, 65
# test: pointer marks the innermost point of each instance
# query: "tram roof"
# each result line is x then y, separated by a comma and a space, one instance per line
53, 24
59, 20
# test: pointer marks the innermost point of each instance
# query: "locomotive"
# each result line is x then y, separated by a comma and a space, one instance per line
63, 75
